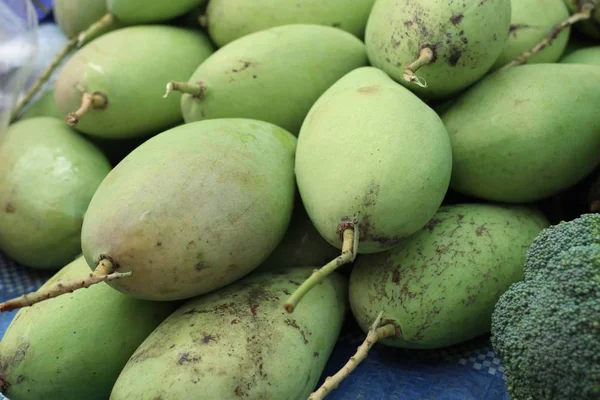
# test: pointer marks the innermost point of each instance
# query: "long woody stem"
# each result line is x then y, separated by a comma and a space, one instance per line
584, 13
43, 78
104, 272
375, 334
349, 252
426, 56
104, 23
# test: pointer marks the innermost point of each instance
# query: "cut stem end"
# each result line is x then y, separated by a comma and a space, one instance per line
197, 90
89, 101
426, 57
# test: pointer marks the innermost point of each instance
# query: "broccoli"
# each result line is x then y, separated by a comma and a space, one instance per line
546, 328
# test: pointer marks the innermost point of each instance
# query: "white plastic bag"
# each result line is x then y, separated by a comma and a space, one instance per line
18, 48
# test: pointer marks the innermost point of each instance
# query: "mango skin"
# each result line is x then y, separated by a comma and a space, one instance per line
301, 245
440, 287
397, 30
588, 55
48, 175
274, 75
44, 106
75, 346
517, 139
229, 20
531, 21
144, 11
193, 208
111, 65
75, 16
239, 343
371, 146
591, 27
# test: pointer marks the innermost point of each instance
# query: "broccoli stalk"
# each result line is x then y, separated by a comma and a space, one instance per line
546, 328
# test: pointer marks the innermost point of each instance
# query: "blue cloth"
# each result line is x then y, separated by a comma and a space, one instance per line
470, 371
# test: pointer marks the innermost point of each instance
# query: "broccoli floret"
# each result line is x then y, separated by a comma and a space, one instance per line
546, 329
553, 240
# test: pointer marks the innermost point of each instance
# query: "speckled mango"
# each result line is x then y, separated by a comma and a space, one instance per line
74, 347
530, 22
144, 11
517, 139
590, 27
301, 245
238, 343
193, 208
588, 55
116, 64
75, 16
274, 75
48, 175
466, 38
229, 20
369, 146
439, 288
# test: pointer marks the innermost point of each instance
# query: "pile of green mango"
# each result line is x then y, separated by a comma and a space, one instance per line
217, 186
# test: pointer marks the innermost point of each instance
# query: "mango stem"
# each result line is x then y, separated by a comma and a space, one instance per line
104, 23
197, 89
583, 14
375, 334
425, 58
103, 272
349, 252
43, 78
89, 101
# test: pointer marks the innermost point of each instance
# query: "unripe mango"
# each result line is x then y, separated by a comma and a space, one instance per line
74, 347
229, 20
274, 75
588, 55
530, 22
440, 286
436, 48
517, 139
75, 16
126, 93
144, 11
371, 147
238, 343
193, 208
48, 175
44, 106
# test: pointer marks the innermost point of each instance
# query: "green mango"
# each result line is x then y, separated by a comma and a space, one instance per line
193, 208
516, 139
43, 106
371, 146
74, 347
301, 245
461, 50
229, 20
274, 75
440, 287
237, 343
144, 11
591, 27
532, 21
75, 16
48, 175
116, 65
588, 55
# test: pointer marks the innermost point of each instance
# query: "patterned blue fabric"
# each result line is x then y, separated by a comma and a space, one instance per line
470, 371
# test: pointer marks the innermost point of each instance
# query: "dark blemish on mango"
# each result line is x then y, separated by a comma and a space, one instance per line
185, 359
396, 276
235, 321
455, 55
9, 208
286, 292
515, 27
238, 391
208, 339
336, 24
408, 23
481, 230
456, 19
158, 244
253, 309
434, 222
171, 346
294, 282
294, 324
315, 354
200, 266
20, 378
